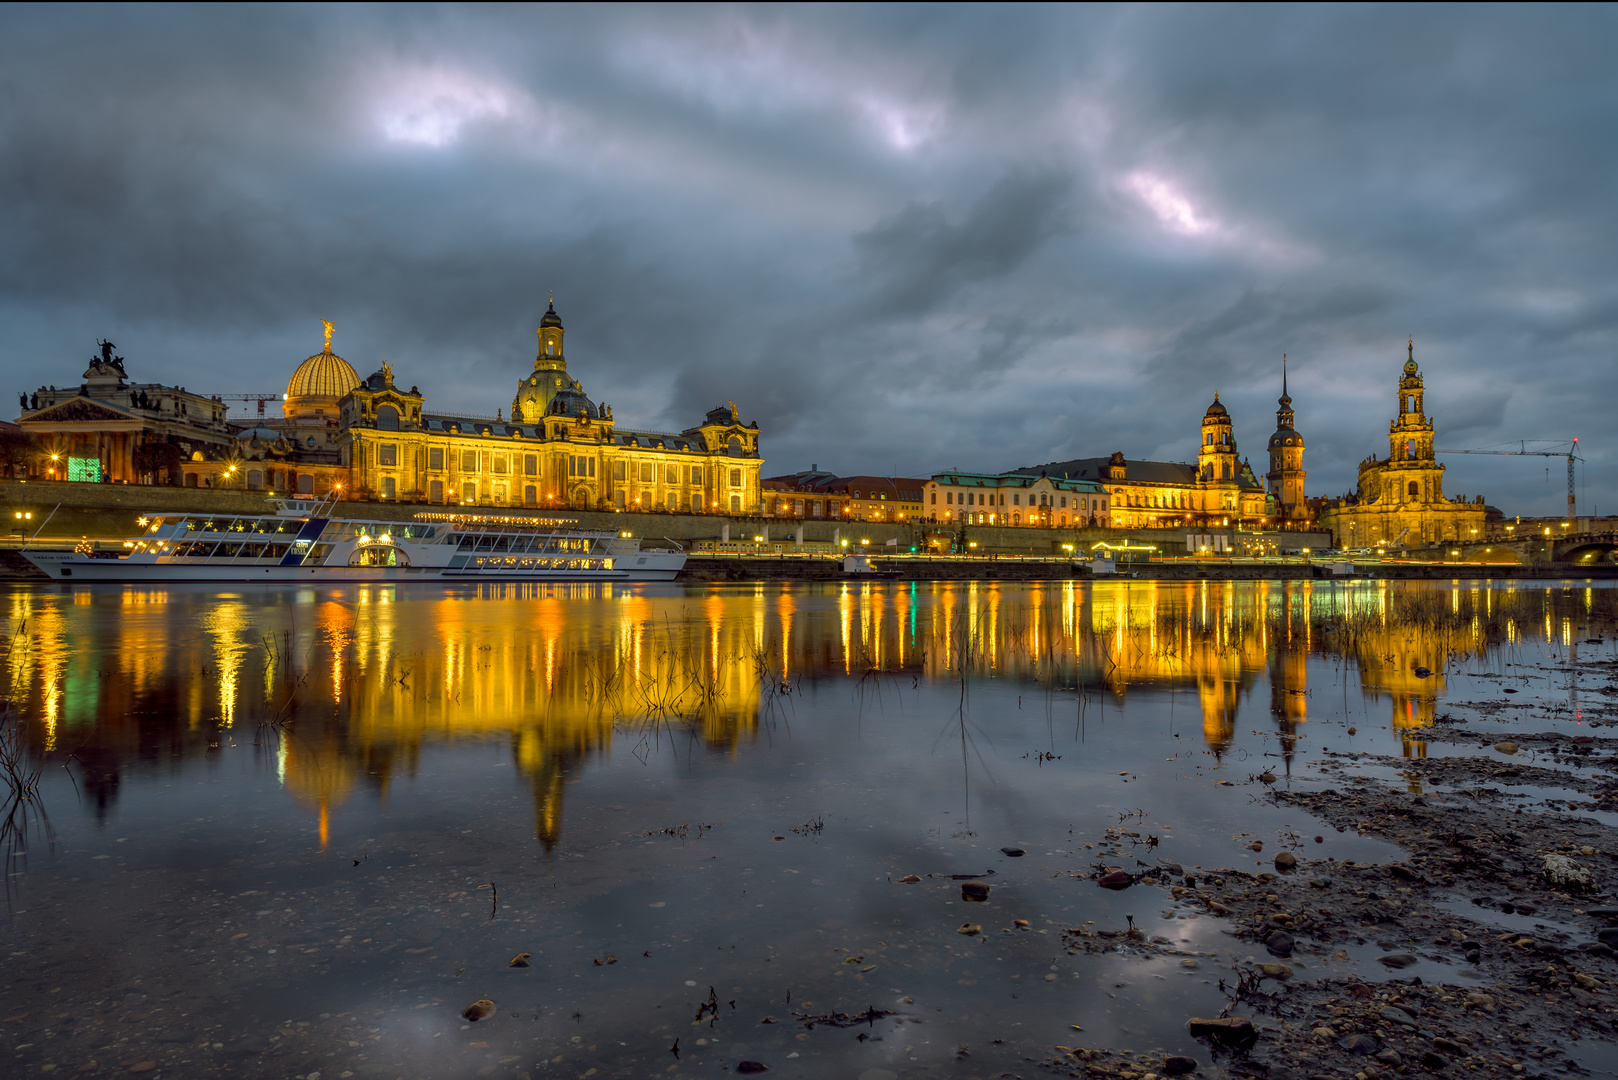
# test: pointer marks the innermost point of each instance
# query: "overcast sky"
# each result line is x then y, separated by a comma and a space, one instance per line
901, 239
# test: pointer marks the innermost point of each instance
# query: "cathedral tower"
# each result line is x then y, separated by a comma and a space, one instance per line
1216, 457
1286, 476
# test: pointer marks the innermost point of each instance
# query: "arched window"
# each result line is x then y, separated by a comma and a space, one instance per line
1415, 490
734, 448
1226, 471
387, 418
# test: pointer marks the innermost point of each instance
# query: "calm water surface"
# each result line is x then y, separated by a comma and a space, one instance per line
299, 831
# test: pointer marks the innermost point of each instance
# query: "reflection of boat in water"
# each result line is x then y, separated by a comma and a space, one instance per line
861, 566
301, 540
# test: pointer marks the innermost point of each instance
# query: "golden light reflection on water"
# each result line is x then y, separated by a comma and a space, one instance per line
367, 677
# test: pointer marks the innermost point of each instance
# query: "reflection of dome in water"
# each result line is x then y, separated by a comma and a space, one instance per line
320, 777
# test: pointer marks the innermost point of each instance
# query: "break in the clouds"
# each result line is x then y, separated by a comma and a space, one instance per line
901, 238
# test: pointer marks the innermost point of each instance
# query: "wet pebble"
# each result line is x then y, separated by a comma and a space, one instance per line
481, 1009
1397, 1016
1278, 972
1506, 747
749, 1067
1361, 1045
969, 929
1279, 943
975, 891
521, 959
1398, 959
909, 879
1179, 1064
1285, 860
1014, 852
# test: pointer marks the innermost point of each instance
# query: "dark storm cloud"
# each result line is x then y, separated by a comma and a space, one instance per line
902, 238
916, 259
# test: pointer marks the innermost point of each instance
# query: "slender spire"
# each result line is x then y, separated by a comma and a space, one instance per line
1286, 398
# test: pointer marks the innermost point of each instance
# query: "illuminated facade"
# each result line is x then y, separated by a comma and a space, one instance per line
1013, 499
1286, 476
111, 429
559, 449
816, 494
1219, 490
1400, 499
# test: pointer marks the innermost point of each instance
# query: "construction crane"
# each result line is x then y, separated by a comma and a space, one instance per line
1571, 453
260, 398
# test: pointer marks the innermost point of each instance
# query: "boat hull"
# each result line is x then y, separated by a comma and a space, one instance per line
77, 567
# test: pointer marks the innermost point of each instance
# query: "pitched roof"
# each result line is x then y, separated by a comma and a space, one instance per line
1141, 472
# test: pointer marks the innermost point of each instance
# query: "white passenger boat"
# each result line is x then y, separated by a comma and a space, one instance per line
304, 540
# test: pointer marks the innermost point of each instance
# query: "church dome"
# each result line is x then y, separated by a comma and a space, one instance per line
1216, 409
572, 403
551, 318
324, 374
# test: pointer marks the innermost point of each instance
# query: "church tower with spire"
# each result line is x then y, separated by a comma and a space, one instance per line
1286, 476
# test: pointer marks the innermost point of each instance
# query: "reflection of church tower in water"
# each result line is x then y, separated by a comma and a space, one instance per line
1289, 681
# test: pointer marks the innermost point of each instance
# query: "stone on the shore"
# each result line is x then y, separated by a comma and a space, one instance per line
1398, 959
909, 879
1279, 943
1506, 747
976, 891
1397, 1016
1285, 861
1278, 972
1433, 1060
1360, 1045
1564, 872
1234, 1031
1178, 1064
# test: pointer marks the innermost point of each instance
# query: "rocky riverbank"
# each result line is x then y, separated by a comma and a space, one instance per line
1490, 949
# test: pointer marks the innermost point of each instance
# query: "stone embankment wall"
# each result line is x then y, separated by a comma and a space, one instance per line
109, 512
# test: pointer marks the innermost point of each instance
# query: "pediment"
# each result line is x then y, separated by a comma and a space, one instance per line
77, 411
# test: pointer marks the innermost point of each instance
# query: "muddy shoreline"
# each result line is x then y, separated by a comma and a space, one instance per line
1509, 913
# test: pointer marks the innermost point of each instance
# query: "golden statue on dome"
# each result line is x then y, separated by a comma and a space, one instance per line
327, 323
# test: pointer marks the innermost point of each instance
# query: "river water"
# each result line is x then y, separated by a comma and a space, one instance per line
297, 832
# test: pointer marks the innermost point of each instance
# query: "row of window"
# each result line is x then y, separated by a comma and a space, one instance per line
966, 498
578, 465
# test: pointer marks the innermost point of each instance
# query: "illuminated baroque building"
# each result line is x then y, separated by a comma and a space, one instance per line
1219, 490
109, 428
376, 440
1400, 499
1286, 476
559, 449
